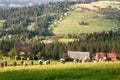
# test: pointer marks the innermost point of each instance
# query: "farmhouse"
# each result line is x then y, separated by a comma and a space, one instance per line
105, 56
112, 56
83, 56
24, 49
100, 56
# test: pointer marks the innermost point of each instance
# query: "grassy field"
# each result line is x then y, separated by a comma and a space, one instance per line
10, 62
101, 4
96, 21
63, 40
31, 26
68, 71
1, 23
66, 40
70, 24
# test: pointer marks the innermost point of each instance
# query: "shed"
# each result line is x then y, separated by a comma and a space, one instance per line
102, 56
112, 56
79, 55
99, 56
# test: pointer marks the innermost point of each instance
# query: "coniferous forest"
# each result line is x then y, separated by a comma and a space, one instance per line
93, 43
16, 21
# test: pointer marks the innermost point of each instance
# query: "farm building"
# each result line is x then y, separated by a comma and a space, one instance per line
83, 56
100, 56
112, 56
24, 49
104, 56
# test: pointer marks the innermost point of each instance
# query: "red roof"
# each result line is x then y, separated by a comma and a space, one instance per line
99, 55
112, 56
108, 55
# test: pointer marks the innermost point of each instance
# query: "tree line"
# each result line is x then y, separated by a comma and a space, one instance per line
93, 43
111, 13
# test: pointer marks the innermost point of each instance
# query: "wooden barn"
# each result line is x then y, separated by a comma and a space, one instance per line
24, 49
83, 56
105, 56
99, 56
112, 56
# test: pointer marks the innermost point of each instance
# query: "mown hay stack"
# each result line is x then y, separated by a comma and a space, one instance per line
40, 62
62, 60
47, 62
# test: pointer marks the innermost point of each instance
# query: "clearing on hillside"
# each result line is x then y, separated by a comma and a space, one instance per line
70, 25
96, 5
31, 26
95, 22
1, 23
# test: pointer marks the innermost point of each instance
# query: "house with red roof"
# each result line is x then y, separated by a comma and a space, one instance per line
101, 56
112, 56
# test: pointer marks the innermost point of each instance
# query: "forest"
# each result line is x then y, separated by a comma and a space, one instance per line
93, 43
42, 15
17, 20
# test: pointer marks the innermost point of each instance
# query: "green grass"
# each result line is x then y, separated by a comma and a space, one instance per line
112, 3
31, 26
68, 71
63, 40
1, 23
101, 4
66, 40
70, 24
10, 62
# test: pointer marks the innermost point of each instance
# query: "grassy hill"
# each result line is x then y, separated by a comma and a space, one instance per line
68, 71
31, 26
101, 4
97, 22
70, 24
1, 23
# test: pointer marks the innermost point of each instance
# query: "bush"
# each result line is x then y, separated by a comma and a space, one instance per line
83, 23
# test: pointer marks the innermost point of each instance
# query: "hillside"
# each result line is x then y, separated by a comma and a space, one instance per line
1, 24
97, 23
88, 13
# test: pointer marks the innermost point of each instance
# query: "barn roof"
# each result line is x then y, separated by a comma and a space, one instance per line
78, 55
23, 47
108, 55
100, 55
112, 56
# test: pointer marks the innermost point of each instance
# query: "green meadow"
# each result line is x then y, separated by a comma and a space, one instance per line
68, 71
63, 40
10, 62
70, 24
1, 23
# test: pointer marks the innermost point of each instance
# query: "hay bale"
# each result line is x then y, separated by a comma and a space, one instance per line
47, 62
24, 64
5, 63
21, 62
32, 63
75, 60
14, 63
40, 62
62, 60
1, 65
